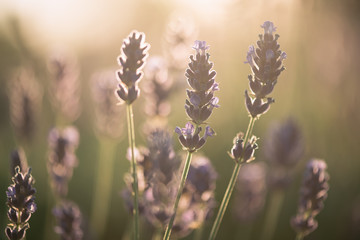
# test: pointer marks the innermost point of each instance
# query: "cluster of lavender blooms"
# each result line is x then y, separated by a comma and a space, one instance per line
158, 183
201, 100
250, 192
69, 220
266, 65
25, 97
283, 148
20, 198
108, 116
157, 88
312, 195
60, 165
64, 88
242, 153
62, 158
132, 59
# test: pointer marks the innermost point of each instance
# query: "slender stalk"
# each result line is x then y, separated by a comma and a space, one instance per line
131, 135
230, 187
179, 192
102, 193
272, 215
299, 236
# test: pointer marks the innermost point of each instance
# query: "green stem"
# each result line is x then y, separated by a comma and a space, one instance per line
299, 236
272, 215
230, 187
103, 185
131, 135
179, 192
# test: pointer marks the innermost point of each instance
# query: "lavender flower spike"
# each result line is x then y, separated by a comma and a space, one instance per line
313, 193
266, 65
201, 79
132, 59
20, 200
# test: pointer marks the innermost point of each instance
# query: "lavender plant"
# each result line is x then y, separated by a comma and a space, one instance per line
132, 59
62, 158
64, 88
109, 127
283, 148
158, 184
25, 100
198, 106
69, 219
20, 199
312, 195
250, 192
157, 88
266, 65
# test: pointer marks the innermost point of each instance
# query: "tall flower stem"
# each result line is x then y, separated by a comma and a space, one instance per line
272, 215
230, 187
178, 195
131, 135
299, 236
102, 193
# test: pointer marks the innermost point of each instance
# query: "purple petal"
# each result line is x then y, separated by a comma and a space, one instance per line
268, 27
178, 131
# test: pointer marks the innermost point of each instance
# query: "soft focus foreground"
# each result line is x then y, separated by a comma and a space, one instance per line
51, 57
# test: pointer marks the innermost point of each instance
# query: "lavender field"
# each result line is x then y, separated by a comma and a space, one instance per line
217, 119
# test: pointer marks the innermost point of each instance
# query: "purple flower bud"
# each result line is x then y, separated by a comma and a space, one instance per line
209, 132
200, 46
250, 56
268, 27
283, 56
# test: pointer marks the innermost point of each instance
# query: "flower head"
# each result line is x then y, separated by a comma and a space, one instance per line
61, 157
132, 59
200, 47
190, 137
268, 27
201, 78
266, 65
242, 153
312, 195
20, 200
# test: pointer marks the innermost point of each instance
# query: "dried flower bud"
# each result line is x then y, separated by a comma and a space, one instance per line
61, 157
201, 78
250, 192
312, 195
132, 59
108, 115
190, 137
238, 153
65, 86
25, 98
68, 217
266, 65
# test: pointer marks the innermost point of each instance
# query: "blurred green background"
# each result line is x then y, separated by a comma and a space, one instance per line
320, 89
